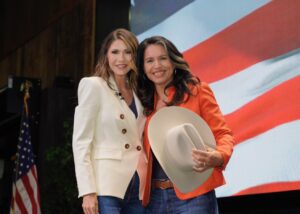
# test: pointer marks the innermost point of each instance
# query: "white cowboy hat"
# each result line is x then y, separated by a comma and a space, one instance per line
173, 133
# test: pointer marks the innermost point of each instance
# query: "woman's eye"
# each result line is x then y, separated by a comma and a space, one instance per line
114, 51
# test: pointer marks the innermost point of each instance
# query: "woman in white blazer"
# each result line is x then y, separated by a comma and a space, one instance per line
108, 125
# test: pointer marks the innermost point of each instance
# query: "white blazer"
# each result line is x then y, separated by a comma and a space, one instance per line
107, 139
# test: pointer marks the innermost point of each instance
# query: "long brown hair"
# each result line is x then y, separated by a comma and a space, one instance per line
102, 68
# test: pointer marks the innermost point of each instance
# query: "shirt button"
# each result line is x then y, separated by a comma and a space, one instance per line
124, 131
139, 148
127, 146
122, 116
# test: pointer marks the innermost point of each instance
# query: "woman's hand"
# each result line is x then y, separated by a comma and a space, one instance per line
90, 204
206, 159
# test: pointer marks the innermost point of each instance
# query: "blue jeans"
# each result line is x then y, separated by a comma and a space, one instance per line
166, 202
129, 205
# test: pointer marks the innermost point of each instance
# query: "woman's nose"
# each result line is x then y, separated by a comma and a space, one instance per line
121, 56
157, 63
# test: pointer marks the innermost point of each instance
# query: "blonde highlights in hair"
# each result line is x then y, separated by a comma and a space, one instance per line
102, 68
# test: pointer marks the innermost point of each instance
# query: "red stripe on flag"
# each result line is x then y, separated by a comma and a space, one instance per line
268, 188
37, 188
33, 170
30, 192
270, 31
19, 202
275, 107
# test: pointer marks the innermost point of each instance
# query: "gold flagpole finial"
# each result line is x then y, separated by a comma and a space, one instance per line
25, 86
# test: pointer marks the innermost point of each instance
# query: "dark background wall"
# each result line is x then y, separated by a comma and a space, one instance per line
56, 42
45, 39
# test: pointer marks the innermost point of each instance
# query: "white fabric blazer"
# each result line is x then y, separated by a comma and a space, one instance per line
107, 139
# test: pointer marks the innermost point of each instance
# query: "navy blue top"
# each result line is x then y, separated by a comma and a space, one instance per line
132, 106
157, 172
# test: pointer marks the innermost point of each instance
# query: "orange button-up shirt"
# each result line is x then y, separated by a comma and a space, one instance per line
205, 105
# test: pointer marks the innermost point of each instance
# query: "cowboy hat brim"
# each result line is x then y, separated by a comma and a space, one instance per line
166, 119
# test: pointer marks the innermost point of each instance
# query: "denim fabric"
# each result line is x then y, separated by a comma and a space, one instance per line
129, 205
166, 202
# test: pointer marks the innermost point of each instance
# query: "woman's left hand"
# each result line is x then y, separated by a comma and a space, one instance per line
206, 159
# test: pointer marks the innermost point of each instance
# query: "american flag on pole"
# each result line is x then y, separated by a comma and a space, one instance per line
25, 193
249, 53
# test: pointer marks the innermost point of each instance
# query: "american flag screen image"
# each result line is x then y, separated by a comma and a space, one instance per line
249, 53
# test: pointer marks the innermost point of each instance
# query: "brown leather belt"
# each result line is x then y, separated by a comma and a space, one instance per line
162, 184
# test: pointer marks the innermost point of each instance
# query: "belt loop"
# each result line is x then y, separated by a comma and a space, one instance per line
167, 184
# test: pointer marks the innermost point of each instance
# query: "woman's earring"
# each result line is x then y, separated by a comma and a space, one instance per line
175, 71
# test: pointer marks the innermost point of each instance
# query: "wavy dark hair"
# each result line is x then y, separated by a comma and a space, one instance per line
183, 79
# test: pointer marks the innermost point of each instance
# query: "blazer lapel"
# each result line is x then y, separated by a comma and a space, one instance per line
125, 108
141, 119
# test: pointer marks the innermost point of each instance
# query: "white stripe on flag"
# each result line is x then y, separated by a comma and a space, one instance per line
204, 20
266, 158
33, 184
255, 81
14, 207
24, 195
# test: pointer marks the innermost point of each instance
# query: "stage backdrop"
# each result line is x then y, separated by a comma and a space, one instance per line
249, 53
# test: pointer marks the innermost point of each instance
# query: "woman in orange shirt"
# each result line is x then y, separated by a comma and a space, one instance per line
166, 80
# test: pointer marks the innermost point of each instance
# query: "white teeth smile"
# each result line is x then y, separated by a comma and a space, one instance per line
121, 66
158, 73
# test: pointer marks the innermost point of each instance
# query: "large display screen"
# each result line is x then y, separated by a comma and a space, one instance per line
249, 53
